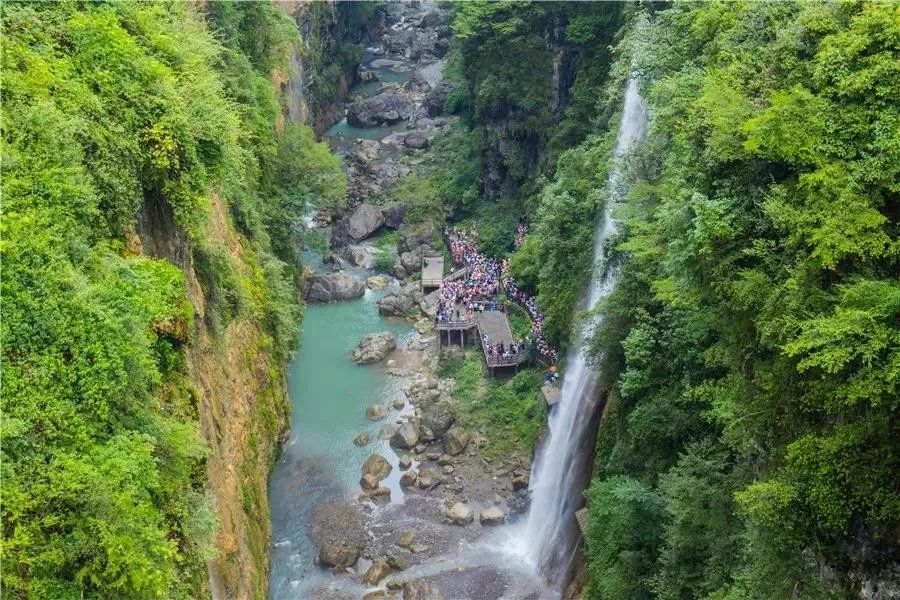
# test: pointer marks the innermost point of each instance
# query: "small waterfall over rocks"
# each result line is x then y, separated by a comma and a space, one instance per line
559, 472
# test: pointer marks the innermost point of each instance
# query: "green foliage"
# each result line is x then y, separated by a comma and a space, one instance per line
307, 174
519, 321
420, 196
556, 258
332, 48
510, 413
750, 347
622, 537
386, 248
454, 165
111, 112
533, 70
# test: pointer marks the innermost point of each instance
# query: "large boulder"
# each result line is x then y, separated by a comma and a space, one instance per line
377, 282
394, 214
378, 571
417, 140
433, 18
428, 477
369, 482
337, 554
407, 537
374, 347
421, 590
416, 83
377, 412
455, 441
377, 466
437, 98
334, 287
429, 306
406, 437
460, 514
397, 303
412, 261
364, 221
359, 223
382, 492
492, 515
383, 108
423, 391
387, 431
520, 480
410, 237
408, 479
438, 417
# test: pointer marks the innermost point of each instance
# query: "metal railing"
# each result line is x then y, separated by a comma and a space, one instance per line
494, 360
458, 273
461, 324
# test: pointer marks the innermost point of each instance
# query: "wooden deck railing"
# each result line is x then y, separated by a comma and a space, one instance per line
494, 360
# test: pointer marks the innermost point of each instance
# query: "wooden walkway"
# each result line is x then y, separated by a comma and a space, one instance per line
495, 325
432, 271
490, 324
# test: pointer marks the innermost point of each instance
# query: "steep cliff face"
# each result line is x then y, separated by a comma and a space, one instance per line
151, 193
323, 66
241, 398
532, 73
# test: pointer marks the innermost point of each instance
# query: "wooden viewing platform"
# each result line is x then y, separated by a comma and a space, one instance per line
495, 325
491, 323
432, 271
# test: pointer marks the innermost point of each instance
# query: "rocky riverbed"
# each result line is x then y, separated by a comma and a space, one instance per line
454, 498
420, 512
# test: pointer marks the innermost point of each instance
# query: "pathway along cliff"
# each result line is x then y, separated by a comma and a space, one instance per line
377, 490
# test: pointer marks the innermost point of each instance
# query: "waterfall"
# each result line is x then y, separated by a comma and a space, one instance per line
559, 473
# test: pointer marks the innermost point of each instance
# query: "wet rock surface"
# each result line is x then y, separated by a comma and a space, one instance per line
364, 221
399, 303
380, 109
374, 347
334, 287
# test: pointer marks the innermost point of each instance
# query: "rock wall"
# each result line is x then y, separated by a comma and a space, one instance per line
513, 151
241, 399
323, 67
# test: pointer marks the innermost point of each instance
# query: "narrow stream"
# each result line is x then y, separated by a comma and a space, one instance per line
329, 395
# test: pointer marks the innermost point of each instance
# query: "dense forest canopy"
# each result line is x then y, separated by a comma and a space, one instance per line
750, 354
111, 110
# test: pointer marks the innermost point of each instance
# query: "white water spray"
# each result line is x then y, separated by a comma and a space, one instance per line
559, 472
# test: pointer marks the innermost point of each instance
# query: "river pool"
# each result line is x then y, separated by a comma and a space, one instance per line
329, 395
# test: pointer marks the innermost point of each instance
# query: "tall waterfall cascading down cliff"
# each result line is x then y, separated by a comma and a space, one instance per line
559, 472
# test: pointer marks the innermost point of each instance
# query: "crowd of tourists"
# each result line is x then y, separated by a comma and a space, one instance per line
460, 300
529, 303
503, 351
